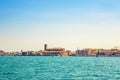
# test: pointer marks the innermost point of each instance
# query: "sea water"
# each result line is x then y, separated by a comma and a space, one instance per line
59, 68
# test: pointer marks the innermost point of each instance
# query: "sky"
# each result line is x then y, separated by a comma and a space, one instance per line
71, 24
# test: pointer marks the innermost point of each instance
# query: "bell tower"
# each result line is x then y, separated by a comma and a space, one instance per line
45, 47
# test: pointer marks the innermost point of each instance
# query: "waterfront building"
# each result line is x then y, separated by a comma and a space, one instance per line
54, 51
81, 52
2, 53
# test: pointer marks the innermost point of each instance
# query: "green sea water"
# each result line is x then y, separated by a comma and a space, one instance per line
59, 68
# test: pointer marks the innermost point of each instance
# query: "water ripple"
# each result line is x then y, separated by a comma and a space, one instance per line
59, 68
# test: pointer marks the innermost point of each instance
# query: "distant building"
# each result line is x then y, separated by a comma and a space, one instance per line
2, 53
24, 53
81, 53
54, 51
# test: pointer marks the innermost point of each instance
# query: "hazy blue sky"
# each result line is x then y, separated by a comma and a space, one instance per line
28, 24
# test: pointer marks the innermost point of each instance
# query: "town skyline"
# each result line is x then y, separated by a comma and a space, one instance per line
60, 47
28, 24
60, 51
